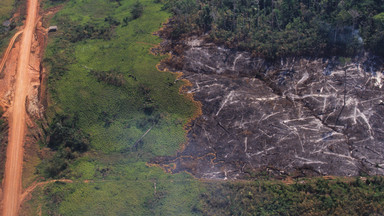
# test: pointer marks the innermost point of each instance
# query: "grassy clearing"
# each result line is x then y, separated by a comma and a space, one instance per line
116, 117
103, 75
119, 186
121, 193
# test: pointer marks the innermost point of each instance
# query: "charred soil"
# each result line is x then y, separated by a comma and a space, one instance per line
300, 116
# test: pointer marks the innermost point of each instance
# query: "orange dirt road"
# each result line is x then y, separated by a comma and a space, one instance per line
14, 162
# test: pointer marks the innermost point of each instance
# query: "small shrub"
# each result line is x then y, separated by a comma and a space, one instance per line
137, 10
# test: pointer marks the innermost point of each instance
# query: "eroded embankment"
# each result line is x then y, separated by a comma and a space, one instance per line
304, 116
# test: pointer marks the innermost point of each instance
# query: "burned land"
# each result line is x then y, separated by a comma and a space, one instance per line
298, 116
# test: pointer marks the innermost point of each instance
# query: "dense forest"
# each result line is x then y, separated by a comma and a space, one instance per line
276, 28
359, 196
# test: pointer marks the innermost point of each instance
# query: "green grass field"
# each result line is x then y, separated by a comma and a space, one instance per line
116, 116
127, 52
120, 187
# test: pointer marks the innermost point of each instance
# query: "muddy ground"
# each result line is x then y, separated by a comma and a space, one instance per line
303, 116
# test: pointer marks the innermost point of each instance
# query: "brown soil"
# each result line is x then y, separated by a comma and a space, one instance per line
19, 94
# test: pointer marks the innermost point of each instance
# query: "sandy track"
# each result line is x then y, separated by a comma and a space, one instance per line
14, 163
6, 54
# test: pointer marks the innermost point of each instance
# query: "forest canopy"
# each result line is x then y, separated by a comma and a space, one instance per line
276, 28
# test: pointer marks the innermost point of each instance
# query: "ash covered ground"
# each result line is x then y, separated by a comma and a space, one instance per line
303, 116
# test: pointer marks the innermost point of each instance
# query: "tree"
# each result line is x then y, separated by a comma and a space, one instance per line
63, 132
137, 10
276, 28
206, 18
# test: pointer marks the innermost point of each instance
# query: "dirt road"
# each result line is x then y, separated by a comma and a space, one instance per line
11, 43
14, 163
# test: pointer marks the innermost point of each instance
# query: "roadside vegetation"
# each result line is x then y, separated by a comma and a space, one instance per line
3, 142
274, 29
7, 10
110, 111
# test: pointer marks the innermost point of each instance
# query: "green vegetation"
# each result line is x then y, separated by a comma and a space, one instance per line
137, 10
102, 73
67, 141
110, 111
121, 187
284, 28
312, 197
3, 142
6, 8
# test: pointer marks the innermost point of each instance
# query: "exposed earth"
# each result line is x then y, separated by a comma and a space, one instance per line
303, 116
19, 92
